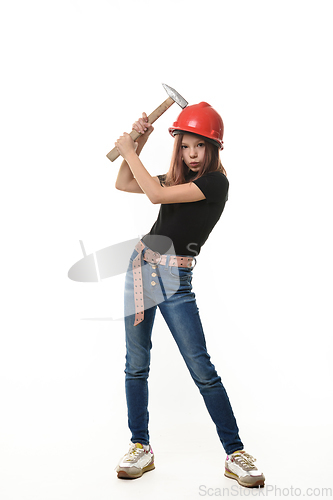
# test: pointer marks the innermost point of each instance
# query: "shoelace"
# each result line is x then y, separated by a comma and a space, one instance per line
245, 460
133, 453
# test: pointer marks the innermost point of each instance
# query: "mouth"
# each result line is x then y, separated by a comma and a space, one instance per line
194, 164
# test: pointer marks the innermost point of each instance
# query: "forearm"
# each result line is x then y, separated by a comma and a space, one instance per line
125, 174
146, 182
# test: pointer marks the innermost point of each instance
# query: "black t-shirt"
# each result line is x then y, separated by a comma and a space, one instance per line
188, 225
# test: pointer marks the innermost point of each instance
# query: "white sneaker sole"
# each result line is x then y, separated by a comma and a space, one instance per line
122, 474
254, 482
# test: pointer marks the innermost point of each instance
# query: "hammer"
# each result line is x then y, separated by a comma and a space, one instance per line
173, 97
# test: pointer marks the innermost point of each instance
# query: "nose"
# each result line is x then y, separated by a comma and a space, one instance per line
193, 153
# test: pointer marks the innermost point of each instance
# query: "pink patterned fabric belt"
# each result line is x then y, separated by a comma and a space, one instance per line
153, 258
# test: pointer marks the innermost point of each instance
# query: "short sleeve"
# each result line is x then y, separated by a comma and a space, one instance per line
161, 178
214, 186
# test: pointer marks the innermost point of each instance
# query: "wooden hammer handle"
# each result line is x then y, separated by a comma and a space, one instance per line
113, 154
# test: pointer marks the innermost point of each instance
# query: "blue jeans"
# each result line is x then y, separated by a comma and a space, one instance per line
172, 293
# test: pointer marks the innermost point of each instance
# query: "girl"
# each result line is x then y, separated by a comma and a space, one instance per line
192, 196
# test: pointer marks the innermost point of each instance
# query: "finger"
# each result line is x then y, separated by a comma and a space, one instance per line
143, 125
150, 128
138, 127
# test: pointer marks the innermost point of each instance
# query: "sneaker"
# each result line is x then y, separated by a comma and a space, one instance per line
138, 459
240, 466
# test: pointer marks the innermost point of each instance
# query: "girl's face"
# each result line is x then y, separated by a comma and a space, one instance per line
193, 151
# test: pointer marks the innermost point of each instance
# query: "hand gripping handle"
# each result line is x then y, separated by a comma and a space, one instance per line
113, 154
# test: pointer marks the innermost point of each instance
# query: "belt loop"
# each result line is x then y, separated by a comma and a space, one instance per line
167, 261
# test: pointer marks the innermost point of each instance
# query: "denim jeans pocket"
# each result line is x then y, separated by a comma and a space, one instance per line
180, 273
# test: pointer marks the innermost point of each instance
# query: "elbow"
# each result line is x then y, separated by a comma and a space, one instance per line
155, 199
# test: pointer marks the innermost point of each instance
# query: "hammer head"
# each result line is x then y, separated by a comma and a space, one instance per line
175, 96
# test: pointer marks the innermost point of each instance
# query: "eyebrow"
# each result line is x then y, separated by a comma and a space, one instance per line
197, 142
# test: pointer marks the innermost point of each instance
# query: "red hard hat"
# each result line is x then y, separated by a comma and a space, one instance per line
200, 119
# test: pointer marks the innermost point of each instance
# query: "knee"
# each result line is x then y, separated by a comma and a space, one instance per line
137, 357
137, 368
208, 378
207, 384
205, 376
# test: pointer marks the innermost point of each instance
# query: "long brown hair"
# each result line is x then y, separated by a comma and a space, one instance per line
178, 169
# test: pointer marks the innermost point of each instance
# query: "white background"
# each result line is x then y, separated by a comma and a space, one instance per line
75, 75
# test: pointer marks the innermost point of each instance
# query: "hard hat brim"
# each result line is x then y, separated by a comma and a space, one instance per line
174, 132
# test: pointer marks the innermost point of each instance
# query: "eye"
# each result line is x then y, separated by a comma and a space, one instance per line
183, 146
201, 144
